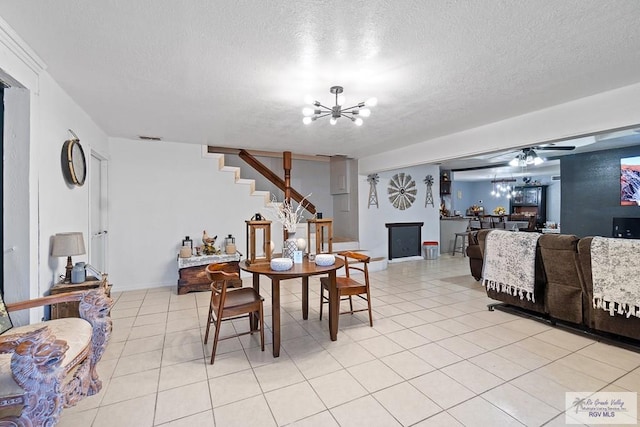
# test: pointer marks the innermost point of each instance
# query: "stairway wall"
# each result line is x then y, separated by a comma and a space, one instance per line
307, 177
160, 192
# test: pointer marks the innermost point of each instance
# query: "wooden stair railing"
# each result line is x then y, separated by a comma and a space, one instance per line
275, 180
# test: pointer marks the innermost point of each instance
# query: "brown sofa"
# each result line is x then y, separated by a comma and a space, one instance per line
564, 287
475, 255
564, 296
540, 283
596, 318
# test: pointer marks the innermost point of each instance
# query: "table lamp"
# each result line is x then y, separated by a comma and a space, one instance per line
68, 244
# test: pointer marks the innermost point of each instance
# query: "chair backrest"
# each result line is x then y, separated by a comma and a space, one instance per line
351, 258
219, 279
485, 223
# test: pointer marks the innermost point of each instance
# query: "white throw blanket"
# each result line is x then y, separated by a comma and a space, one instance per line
510, 263
615, 272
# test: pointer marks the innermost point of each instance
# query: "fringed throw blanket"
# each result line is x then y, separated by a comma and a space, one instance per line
615, 272
510, 263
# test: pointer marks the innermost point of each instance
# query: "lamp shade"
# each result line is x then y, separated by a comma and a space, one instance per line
68, 244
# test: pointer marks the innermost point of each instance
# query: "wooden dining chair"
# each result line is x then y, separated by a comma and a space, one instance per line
227, 303
347, 286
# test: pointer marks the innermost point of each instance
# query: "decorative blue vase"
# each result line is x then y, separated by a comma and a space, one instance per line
78, 273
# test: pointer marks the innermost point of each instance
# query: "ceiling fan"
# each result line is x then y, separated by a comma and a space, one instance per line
528, 156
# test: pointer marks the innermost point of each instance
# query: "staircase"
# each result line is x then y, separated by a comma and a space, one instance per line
339, 244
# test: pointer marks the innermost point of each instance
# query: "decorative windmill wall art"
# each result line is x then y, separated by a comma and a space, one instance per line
402, 191
429, 198
373, 179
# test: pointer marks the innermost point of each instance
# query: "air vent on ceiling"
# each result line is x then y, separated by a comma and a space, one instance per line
149, 138
555, 177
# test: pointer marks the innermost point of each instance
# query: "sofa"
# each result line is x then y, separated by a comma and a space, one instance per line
598, 319
539, 305
51, 365
563, 284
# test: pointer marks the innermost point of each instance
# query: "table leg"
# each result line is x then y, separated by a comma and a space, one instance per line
275, 315
334, 307
256, 287
305, 297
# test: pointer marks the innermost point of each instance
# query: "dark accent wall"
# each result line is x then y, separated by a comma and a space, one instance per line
591, 192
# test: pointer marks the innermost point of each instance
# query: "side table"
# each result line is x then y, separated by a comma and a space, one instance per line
71, 309
193, 277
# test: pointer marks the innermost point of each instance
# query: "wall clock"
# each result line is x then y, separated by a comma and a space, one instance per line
74, 163
402, 191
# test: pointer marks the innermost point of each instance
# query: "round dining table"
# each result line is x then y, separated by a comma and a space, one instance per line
302, 270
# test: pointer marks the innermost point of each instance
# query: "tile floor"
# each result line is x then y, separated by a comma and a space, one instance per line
435, 357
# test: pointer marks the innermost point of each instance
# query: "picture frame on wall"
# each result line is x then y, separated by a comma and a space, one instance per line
630, 181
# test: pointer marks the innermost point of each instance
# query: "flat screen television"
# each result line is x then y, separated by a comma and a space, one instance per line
626, 228
630, 181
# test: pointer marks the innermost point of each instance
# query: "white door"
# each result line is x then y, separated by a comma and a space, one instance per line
98, 213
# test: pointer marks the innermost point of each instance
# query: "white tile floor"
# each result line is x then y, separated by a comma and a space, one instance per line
435, 357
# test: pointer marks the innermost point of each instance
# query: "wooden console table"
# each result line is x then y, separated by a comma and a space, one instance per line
193, 277
71, 309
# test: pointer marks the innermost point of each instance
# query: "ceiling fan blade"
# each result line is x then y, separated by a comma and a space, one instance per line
555, 148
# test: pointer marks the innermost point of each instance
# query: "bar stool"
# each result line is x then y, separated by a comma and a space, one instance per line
462, 246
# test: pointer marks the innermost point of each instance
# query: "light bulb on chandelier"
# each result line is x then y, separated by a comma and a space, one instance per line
355, 113
502, 188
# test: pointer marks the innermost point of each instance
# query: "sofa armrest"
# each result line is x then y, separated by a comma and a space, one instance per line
36, 358
42, 301
95, 307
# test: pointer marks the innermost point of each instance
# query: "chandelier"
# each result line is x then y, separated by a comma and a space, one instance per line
355, 113
525, 158
502, 188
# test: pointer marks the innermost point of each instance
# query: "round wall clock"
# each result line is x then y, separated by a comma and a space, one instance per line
74, 163
402, 191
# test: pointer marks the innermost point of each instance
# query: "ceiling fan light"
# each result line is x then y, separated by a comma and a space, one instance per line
307, 120
365, 112
371, 102
308, 99
307, 111
333, 121
358, 121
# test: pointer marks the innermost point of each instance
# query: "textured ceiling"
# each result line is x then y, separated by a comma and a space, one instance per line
235, 73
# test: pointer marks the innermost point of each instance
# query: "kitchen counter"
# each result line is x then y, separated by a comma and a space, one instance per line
449, 226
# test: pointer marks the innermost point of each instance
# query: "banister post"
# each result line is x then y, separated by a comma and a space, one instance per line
286, 164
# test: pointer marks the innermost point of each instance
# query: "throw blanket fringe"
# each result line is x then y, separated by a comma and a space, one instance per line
615, 272
509, 263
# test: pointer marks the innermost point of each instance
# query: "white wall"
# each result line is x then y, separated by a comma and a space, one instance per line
373, 233
307, 177
160, 192
53, 206
553, 201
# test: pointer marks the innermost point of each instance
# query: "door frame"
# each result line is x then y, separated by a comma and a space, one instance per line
104, 193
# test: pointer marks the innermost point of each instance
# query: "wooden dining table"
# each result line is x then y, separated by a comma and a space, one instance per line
303, 270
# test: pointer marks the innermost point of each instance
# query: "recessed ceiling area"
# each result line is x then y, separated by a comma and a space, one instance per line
235, 74
495, 165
